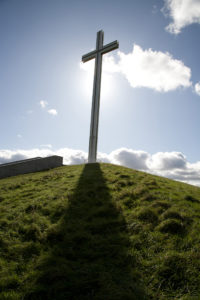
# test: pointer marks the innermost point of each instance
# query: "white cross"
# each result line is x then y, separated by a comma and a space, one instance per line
97, 54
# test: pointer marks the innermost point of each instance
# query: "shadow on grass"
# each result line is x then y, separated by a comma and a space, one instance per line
90, 251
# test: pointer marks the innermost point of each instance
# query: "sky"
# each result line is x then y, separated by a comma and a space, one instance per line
150, 92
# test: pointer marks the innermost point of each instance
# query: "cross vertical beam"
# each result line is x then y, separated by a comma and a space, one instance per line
95, 101
97, 54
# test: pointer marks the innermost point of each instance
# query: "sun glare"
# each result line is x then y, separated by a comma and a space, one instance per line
107, 86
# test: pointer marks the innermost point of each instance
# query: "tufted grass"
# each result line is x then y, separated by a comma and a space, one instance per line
98, 231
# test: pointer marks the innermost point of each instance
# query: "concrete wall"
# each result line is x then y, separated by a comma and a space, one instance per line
30, 165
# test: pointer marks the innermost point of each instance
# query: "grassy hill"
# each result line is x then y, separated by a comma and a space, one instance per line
98, 232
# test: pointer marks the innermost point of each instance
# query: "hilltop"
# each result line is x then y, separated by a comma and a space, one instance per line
98, 231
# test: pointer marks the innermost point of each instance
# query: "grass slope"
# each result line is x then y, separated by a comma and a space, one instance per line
98, 232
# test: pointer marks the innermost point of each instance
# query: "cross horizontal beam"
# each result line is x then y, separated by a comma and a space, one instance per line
109, 47
105, 49
89, 56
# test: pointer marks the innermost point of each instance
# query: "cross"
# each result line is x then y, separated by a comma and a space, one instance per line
97, 54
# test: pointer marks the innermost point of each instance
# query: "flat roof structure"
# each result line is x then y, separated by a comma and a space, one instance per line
31, 165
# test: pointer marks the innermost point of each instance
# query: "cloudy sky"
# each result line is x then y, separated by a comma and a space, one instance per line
150, 98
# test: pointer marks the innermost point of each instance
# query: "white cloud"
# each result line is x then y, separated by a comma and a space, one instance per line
43, 103
52, 112
173, 165
154, 69
183, 13
13, 155
167, 161
130, 158
197, 88
19, 136
148, 68
72, 157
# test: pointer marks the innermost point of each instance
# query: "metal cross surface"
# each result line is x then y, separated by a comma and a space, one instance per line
97, 54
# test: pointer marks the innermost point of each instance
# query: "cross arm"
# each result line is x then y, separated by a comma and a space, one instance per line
89, 56
109, 47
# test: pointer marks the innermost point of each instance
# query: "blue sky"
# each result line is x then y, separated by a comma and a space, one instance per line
150, 100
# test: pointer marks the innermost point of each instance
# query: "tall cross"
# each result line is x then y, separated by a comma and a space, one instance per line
97, 54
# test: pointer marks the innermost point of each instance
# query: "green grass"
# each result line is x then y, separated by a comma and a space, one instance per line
98, 231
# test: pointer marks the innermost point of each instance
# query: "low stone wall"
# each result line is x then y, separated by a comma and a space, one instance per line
30, 165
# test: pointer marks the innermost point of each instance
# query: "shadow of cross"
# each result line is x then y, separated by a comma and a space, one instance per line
90, 250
